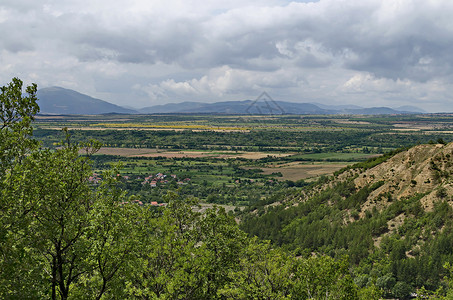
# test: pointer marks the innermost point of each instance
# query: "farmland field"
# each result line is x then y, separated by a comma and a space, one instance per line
304, 171
140, 152
236, 160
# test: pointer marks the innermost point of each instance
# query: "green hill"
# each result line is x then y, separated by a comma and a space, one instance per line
393, 216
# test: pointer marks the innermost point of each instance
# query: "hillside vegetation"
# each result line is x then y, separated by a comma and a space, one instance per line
63, 237
380, 228
392, 216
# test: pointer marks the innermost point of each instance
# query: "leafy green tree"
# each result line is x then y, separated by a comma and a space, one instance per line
70, 234
112, 236
448, 294
56, 232
270, 273
264, 273
61, 202
370, 292
183, 253
16, 113
324, 278
402, 290
224, 242
386, 283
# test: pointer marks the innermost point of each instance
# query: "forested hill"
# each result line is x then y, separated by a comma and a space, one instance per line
392, 215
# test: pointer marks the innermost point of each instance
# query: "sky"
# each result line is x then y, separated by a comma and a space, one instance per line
140, 53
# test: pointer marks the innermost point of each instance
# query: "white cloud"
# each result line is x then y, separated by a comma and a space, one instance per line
337, 50
366, 83
224, 82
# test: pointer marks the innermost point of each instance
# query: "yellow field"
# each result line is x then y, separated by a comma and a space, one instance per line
183, 126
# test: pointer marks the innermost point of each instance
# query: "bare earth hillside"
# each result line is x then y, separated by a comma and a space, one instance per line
423, 169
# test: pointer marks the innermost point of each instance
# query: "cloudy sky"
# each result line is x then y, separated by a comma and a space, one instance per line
146, 52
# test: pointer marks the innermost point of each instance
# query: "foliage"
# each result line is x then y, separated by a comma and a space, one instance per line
52, 239
270, 273
406, 259
62, 237
16, 114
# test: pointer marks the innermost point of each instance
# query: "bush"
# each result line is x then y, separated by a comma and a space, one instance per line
402, 290
441, 193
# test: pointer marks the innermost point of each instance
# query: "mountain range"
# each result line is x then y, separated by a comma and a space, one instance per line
60, 101
57, 100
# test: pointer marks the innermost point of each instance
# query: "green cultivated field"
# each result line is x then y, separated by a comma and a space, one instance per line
237, 160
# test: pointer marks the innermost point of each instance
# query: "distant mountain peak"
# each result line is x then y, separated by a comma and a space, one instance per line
58, 100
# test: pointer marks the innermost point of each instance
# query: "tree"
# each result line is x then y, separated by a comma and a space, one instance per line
184, 254
57, 233
264, 273
322, 277
16, 113
113, 237
67, 225
61, 201
402, 290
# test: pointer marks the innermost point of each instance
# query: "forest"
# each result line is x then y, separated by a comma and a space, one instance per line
79, 224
